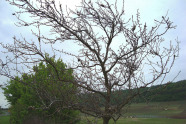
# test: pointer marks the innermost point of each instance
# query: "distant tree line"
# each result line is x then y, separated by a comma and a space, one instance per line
173, 92
1, 110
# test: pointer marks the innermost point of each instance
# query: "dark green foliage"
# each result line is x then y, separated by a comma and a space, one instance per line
171, 92
1, 110
29, 94
160, 93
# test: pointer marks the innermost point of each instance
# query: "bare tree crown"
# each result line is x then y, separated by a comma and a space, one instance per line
99, 67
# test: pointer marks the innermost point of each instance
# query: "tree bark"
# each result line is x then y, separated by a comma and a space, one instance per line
106, 120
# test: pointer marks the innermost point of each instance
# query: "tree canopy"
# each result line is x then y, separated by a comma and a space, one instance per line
22, 94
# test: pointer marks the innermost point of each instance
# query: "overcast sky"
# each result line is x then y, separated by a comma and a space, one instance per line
149, 9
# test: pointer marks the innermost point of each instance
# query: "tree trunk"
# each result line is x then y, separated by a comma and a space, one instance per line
106, 120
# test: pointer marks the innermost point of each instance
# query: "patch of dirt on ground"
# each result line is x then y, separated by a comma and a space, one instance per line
180, 116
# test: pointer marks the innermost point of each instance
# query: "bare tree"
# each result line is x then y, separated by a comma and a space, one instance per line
101, 69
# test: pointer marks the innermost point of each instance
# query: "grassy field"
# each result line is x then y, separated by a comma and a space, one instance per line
4, 119
144, 121
143, 113
175, 109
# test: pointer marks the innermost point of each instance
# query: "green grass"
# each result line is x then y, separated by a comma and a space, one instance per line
163, 109
4, 119
144, 121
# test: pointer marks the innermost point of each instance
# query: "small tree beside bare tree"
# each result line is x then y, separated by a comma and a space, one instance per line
102, 68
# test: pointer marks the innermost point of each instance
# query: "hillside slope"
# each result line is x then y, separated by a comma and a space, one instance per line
172, 92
